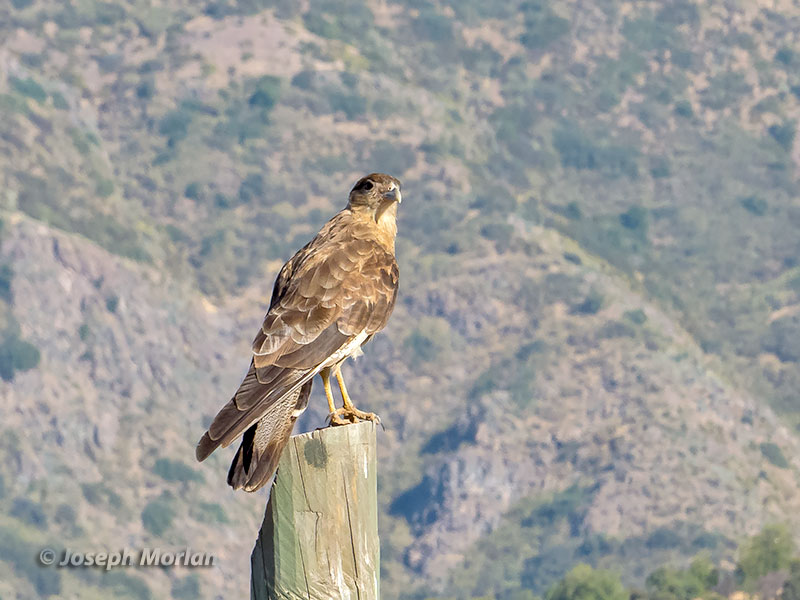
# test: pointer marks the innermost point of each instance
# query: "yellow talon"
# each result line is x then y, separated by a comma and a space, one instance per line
349, 413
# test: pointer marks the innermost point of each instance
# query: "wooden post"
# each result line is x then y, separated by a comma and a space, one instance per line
319, 539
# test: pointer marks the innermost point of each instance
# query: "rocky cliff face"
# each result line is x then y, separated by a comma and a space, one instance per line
625, 407
86, 427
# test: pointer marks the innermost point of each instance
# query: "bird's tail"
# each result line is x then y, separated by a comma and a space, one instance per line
263, 443
274, 395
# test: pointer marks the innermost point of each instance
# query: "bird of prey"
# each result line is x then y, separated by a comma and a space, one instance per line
328, 301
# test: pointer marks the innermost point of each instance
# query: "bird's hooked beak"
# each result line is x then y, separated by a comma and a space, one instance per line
393, 195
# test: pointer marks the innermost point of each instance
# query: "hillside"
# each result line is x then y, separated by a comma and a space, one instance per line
595, 354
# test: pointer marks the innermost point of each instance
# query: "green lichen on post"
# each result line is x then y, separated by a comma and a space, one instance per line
319, 539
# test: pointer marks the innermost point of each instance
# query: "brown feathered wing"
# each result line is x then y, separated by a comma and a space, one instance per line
333, 294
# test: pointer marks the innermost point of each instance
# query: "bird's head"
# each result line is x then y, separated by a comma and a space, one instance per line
376, 193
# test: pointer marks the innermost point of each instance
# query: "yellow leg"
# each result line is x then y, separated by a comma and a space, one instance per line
334, 417
326, 383
348, 404
349, 411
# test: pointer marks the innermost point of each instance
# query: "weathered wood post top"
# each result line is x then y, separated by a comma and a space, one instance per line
319, 539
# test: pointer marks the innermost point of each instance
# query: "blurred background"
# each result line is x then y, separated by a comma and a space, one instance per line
595, 356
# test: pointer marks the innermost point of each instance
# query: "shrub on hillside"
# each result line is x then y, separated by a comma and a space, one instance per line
16, 551
17, 355
615, 329
266, 92
783, 338
791, 588
175, 125
252, 188
635, 219
497, 231
498, 200
127, 586
682, 584
767, 552
754, 205
29, 87
429, 341
433, 26
636, 316
6, 275
187, 588
578, 150
774, 454
660, 167
683, 108
725, 89
352, 104
590, 305
648, 33
784, 134
66, 515
157, 516
175, 470
542, 25
391, 157
96, 493
210, 512
193, 190
345, 20
112, 303
679, 12
585, 583
29, 512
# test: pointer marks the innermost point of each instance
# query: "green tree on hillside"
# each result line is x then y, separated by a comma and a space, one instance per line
585, 583
676, 584
17, 355
791, 589
769, 551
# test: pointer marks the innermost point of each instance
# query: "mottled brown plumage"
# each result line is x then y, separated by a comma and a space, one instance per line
328, 300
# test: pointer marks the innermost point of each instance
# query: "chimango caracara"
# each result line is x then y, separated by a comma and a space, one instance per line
328, 301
